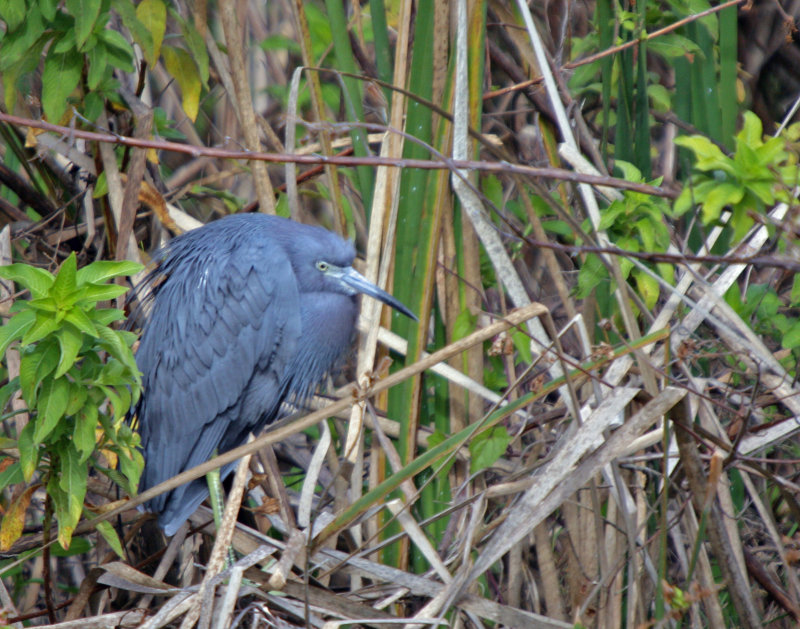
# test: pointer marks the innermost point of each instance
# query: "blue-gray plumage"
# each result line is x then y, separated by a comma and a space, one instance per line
247, 312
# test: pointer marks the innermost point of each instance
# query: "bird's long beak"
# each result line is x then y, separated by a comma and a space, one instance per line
360, 284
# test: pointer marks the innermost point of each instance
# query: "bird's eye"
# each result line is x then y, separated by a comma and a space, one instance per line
322, 266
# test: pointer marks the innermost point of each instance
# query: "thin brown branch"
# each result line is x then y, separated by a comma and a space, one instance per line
346, 160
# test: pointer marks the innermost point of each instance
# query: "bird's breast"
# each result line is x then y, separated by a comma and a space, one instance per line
327, 331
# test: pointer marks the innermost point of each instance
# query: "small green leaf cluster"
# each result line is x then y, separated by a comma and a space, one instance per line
81, 51
487, 447
633, 223
772, 316
78, 378
758, 174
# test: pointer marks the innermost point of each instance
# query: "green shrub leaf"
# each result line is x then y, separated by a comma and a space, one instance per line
104, 270
16, 328
110, 535
153, 16
37, 281
487, 447
53, 400
62, 71
70, 340
85, 13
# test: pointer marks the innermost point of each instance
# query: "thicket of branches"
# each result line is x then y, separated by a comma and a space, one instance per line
591, 206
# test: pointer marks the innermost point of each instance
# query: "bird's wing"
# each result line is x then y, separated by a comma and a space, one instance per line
217, 319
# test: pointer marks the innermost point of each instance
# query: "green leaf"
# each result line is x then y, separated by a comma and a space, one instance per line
741, 221
80, 320
78, 546
709, 156
70, 340
11, 475
721, 195
197, 47
61, 508
648, 287
629, 243
281, 43
610, 215
487, 447
92, 293
138, 30
28, 452
59, 79
752, 132
17, 47
131, 463
98, 66
463, 325
115, 345
45, 325
66, 284
104, 270
795, 293
85, 13
748, 159
120, 399
72, 480
791, 338
659, 97
119, 51
667, 272
672, 46
48, 9
153, 15
591, 274
104, 316
181, 66
629, 171
78, 394
110, 535
53, 400
7, 391
45, 304
763, 190
64, 42
772, 152
34, 367
12, 12
15, 329
37, 281
523, 344
646, 233
83, 435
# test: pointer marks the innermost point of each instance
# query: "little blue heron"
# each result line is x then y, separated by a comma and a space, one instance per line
247, 312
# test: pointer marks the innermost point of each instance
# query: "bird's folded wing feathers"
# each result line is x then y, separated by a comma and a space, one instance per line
200, 360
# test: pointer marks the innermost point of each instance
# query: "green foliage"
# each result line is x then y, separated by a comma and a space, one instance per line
81, 51
78, 379
769, 316
634, 223
759, 173
487, 447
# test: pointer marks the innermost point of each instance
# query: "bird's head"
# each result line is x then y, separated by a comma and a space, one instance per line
325, 263
352, 282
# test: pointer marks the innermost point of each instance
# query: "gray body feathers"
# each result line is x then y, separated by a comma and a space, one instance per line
241, 320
